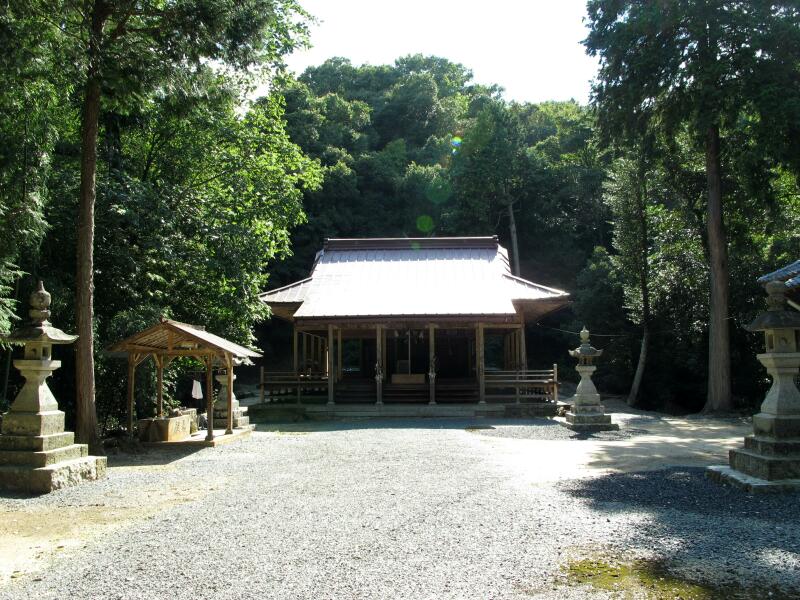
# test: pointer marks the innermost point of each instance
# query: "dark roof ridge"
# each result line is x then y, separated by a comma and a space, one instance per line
410, 243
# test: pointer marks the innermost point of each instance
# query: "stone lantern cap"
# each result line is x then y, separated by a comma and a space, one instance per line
777, 316
585, 351
39, 328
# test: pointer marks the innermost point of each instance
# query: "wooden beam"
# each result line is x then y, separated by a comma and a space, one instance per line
159, 385
379, 365
294, 349
339, 355
331, 376
209, 398
432, 363
229, 367
131, 389
479, 367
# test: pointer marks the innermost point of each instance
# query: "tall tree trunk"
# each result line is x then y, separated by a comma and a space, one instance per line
86, 426
719, 360
512, 225
644, 271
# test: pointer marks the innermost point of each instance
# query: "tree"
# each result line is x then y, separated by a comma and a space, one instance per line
703, 64
127, 48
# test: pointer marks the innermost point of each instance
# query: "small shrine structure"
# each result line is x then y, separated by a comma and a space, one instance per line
168, 340
587, 413
36, 454
412, 320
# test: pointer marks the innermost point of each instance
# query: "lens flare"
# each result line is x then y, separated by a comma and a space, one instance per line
424, 223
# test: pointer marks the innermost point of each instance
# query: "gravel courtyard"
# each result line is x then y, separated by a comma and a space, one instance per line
434, 508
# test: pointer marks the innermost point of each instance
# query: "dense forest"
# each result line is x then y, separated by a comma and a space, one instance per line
679, 177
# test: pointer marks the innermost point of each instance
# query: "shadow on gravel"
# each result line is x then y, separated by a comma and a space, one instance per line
714, 521
150, 456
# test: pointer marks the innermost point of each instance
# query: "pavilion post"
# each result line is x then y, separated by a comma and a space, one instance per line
339, 354
294, 349
432, 363
379, 363
210, 398
523, 354
331, 375
479, 367
303, 363
229, 399
131, 386
159, 385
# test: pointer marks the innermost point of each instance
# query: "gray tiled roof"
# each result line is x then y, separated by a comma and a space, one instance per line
789, 274
411, 277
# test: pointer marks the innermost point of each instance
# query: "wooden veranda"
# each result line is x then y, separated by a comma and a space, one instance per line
167, 340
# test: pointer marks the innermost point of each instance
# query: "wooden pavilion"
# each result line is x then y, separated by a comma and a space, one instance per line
167, 340
399, 319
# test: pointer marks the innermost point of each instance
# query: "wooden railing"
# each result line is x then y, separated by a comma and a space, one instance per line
286, 385
537, 385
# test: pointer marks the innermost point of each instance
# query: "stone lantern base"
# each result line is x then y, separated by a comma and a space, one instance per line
589, 419
40, 464
770, 459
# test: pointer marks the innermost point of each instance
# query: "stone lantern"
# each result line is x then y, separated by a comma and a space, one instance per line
240, 418
587, 413
36, 454
770, 459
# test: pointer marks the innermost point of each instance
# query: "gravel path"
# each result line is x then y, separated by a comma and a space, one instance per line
400, 509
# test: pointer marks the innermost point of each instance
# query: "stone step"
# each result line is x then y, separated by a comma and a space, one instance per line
36, 443
771, 468
773, 447
44, 458
42, 480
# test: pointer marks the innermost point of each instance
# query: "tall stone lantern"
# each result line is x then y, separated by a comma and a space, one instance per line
36, 454
587, 413
770, 459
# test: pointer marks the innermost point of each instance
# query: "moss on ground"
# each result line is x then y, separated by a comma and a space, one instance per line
651, 580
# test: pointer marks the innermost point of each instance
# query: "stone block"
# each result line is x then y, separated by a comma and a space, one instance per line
169, 429
774, 426
589, 422
43, 480
770, 468
33, 424
773, 447
44, 458
725, 474
36, 443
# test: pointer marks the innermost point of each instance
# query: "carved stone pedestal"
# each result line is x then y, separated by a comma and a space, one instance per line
36, 454
770, 459
587, 413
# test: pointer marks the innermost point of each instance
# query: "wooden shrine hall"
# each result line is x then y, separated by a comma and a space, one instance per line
412, 320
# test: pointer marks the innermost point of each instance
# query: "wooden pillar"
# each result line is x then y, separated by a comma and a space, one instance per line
555, 382
479, 366
210, 397
384, 349
261, 384
432, 363
331, 376
523, 354
303, 355
339, 354
380, 366
229, 399
294, 349
159, 384
131, 386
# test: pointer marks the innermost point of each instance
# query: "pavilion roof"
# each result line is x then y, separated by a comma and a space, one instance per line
168, 337
412, 277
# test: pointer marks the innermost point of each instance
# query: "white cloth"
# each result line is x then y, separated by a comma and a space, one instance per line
197, 390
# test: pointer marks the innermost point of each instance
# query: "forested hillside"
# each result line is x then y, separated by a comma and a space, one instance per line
206, 196
416, 149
